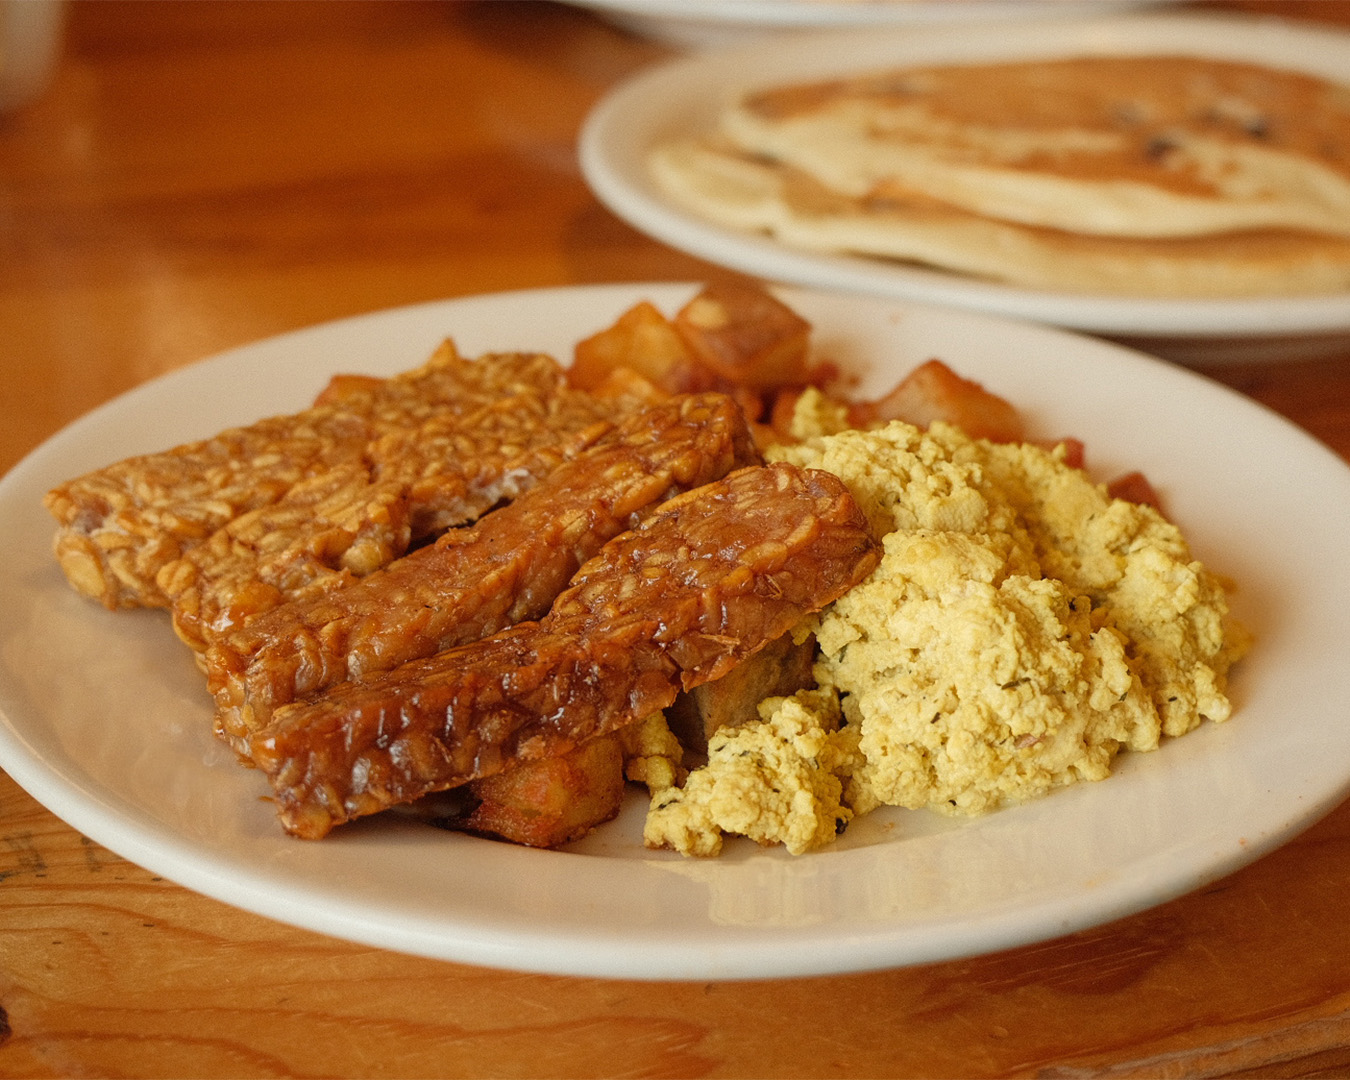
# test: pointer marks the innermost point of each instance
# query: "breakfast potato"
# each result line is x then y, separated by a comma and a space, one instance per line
933, 391
1135, 487
554, 800
643, 342
735, 338
779, 669
747, 336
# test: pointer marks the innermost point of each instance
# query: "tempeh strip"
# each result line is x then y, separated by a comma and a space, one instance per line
506, 567
327, 532
711, 577
450, 433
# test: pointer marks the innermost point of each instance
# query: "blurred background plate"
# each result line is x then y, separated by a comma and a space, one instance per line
708, 23
683, 96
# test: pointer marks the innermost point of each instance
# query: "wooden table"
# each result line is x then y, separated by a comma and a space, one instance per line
200, 176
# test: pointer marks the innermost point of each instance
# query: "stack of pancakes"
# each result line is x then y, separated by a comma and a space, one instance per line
1134, 175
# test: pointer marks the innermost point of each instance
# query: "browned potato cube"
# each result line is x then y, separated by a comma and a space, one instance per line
554, 800
747, 336
782, 667
643, 341
1135, 487
932, 391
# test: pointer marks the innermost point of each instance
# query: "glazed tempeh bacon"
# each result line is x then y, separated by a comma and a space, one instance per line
386, 459
506, 567
712, 576
120, 525
327, 532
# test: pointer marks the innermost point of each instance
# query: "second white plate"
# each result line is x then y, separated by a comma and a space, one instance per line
104, 717
682, 97
710, 23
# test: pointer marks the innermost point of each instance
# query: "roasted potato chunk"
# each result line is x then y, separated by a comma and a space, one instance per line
644, 342
781, 668
555, 800
933, 391
747, 336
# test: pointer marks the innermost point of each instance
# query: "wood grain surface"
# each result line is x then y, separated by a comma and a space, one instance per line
202, 175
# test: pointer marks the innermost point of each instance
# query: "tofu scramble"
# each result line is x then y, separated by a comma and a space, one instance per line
1022, 629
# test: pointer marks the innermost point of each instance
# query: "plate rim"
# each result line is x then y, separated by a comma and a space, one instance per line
791, 14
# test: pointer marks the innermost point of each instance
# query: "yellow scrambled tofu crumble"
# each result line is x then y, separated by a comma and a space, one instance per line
777, 781
1022, 629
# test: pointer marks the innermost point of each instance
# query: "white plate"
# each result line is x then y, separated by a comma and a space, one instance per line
683, 96
105, 720
709, 23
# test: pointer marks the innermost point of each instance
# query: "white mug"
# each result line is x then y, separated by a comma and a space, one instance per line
30, 45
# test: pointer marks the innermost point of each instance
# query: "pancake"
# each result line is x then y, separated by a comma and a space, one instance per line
1122, 146
739, 191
